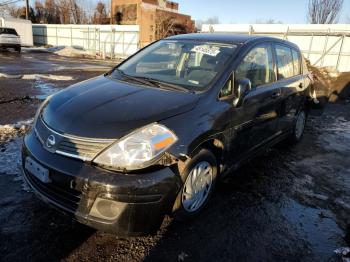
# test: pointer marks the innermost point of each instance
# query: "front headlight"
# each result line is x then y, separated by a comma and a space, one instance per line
138, 149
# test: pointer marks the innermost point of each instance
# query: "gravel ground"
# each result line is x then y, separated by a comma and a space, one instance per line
291, 204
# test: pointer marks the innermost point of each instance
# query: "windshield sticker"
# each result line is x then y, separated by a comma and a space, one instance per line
206, 50
193, 82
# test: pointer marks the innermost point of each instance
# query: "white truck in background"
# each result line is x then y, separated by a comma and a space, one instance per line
22, 27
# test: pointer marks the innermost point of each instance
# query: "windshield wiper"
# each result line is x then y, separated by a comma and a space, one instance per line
162, 84
154, 82
131, 77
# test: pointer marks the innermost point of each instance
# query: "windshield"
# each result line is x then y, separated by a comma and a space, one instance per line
9, 31
188, 64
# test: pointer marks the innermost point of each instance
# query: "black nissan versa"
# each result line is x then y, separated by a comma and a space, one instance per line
152, 136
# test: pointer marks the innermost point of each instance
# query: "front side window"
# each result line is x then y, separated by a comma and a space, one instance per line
257, 66
227, 90
285, 63
189, 64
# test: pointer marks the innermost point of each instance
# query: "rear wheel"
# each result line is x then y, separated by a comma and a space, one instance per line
200, 178
299, 127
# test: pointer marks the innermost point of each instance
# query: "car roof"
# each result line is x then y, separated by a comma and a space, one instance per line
227, 38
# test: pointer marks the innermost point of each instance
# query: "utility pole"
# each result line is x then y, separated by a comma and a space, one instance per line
111, 12
27, 9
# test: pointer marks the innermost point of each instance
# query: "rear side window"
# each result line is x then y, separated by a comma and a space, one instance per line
285, 63
257, 66
296, 62
8, 31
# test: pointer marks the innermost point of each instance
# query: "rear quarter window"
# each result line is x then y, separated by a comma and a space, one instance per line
296, 62
9, 31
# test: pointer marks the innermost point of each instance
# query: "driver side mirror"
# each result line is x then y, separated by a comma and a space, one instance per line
242, 87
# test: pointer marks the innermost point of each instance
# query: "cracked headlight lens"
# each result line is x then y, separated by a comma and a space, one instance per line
138, 149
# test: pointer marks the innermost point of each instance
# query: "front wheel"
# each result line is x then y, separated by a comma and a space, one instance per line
200, 177
18, 49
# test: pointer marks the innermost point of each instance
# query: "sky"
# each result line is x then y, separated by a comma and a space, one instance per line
248, 11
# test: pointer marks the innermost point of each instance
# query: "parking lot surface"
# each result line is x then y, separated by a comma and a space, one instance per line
290, 204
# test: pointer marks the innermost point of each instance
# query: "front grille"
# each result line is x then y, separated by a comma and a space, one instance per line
84, 149
57, 192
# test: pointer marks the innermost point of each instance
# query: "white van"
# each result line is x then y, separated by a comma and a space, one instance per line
9, 38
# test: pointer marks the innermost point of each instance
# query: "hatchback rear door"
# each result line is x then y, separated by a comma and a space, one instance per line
291, 82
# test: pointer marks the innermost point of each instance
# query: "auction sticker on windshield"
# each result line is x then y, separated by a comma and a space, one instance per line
206, 50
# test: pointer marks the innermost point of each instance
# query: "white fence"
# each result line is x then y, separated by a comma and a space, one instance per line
103, 40
323, 45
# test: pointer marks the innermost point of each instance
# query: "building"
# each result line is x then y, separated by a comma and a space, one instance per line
157, 18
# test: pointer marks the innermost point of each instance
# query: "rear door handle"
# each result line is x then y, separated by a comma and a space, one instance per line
275, 95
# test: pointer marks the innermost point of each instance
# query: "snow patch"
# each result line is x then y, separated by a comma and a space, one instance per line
37, 77
10, 131
46, 89
11, 161
344, 253
47, 77
69, 51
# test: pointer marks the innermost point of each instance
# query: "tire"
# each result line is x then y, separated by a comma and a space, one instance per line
185, 207
299, 127
18, 49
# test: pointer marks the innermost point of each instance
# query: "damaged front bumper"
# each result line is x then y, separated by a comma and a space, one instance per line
125, 204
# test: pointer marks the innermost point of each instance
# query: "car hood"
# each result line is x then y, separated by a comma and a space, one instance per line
106, 108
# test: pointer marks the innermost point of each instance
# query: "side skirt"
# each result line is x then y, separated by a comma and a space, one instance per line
254, 153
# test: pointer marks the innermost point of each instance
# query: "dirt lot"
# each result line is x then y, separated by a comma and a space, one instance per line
291, 204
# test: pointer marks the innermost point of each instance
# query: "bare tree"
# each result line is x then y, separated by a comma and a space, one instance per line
268, 21
71, 12
17, 12
39, 12
211, 21
324, 11
100, 14
51, 12
165, 25
4, 9
55, 11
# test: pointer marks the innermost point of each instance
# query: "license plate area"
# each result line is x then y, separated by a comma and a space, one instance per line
37, 170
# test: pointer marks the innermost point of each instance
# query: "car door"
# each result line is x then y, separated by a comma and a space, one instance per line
291, 81
260, 106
